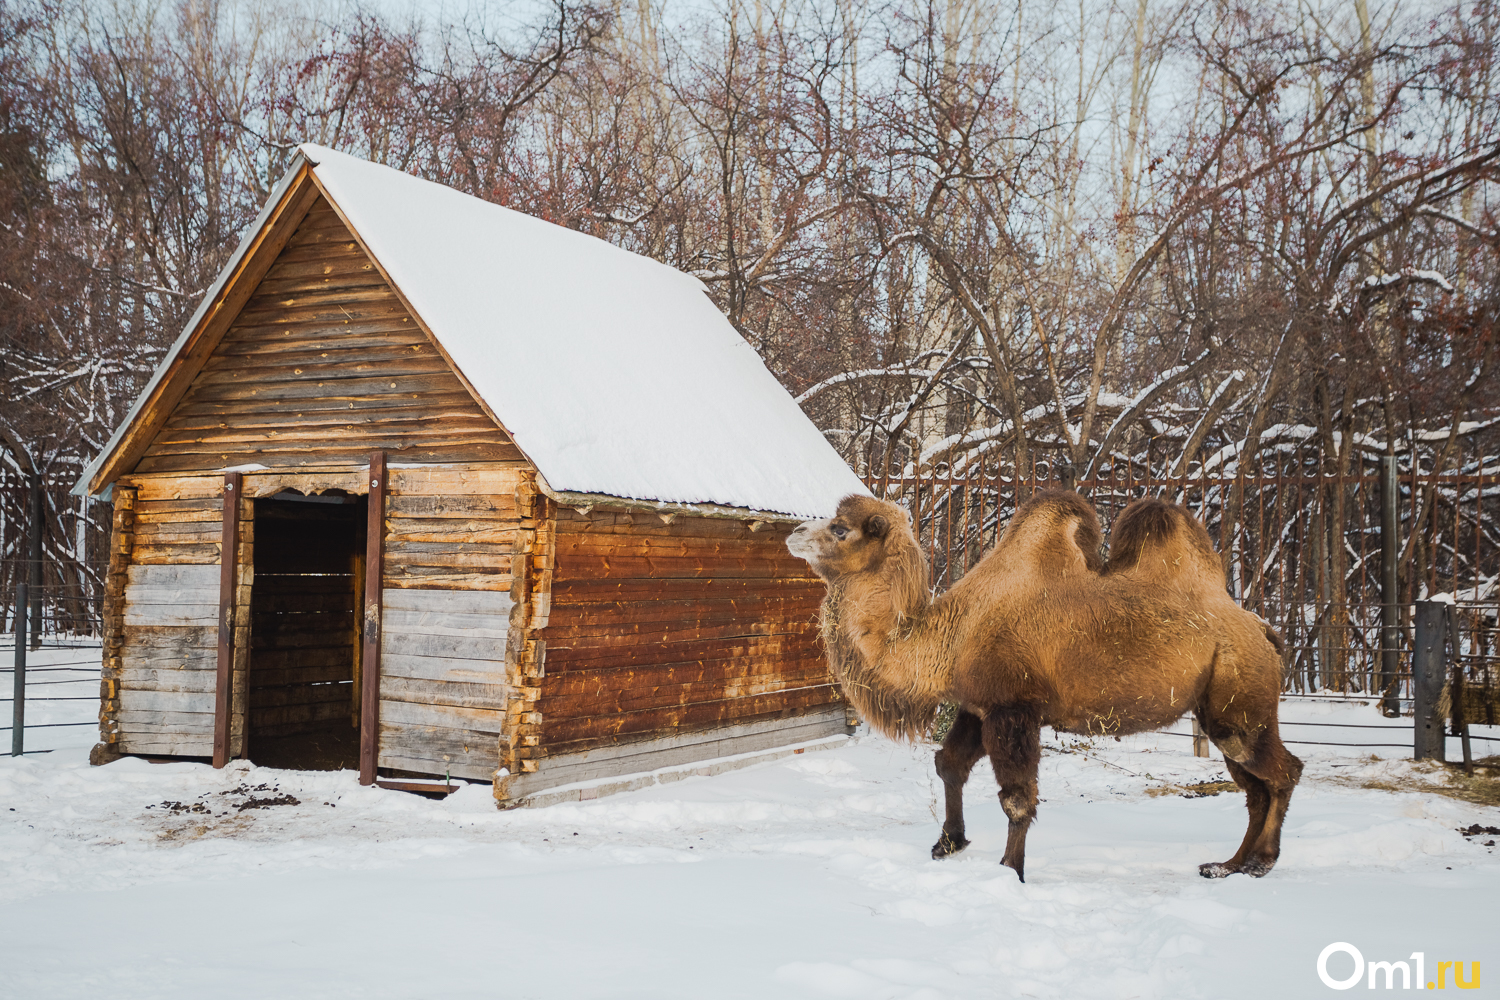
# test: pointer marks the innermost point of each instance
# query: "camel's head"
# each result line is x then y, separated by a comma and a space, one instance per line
854, 540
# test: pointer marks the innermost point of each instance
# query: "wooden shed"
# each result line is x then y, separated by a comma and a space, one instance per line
437, 488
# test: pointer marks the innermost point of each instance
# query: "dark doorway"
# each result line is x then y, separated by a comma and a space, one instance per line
304, 648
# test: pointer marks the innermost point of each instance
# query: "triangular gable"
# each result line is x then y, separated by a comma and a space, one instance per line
321, 366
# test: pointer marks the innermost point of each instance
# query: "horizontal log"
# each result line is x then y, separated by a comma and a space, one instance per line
384, 307
759, 608
452, 530
452, 601
346, 453
167, 614
284, 274
477, 720
798, 648
199, 554
177, 532
559, 732
474, 508
628, 633
455, 694
435, 749
630, 700
329, 387
166, 745
415, 578
180, 723
574, 589
272, 370
674, 545
444, 646
142, 700
317, 294
483, 480
442, 669
599, 522
200, 579
656, 567
311, 355
250, 420
231, 435
444, 623
138, 675
170, 639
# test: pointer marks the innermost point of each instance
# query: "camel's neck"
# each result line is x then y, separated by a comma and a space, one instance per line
894, 664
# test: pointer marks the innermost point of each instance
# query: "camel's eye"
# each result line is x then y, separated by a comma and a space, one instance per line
839, 530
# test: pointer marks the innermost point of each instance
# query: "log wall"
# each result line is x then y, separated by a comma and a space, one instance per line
169, 620
450, 534
656, 629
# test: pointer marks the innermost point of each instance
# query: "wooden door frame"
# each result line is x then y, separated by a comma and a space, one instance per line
369, 709
229, 549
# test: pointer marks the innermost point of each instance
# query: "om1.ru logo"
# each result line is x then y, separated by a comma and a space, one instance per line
1471, 982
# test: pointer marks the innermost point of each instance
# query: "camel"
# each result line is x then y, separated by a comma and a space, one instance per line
1043, 632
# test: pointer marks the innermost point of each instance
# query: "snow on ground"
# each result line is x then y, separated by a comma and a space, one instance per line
804, 877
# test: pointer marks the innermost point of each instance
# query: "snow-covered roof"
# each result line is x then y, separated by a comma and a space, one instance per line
614, 374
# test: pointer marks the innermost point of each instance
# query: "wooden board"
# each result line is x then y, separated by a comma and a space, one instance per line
443, 680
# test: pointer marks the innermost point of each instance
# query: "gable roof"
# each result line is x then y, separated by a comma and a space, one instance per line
614, 374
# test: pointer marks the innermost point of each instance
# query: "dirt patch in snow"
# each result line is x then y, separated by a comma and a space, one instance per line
1197, 790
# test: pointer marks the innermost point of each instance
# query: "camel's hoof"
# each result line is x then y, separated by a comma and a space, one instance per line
1216, 869
947, 845
1257, 868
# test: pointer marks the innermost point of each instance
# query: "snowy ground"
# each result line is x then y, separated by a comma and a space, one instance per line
805, 877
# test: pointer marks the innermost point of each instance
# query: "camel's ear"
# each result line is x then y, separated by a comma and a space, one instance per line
876, 526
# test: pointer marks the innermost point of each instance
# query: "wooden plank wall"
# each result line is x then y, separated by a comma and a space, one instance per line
446, 605
323, 366
656, 628
169, 622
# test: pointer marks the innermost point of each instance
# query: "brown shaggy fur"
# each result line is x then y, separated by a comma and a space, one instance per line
1042, 632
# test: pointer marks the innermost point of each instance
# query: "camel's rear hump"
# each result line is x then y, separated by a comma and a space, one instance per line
1155, 539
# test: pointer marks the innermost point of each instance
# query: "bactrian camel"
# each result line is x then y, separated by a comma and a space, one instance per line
1041, 632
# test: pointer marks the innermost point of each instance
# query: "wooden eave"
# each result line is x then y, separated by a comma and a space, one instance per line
576, 500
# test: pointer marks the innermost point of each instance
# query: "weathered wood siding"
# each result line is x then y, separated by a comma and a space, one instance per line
656, 629
323, 366
446, 605
450, 535
169, 622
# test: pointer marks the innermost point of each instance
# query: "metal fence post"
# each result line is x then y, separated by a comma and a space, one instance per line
34, 567
18, 707
1390, 589
1429, 673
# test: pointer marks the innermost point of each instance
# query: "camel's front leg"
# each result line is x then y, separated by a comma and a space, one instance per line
961, 748
1013, 739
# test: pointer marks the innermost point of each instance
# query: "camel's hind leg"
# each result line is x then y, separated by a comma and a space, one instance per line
1013, 739
961, 748
1267, 771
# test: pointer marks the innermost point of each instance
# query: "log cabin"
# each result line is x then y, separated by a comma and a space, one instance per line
430, 487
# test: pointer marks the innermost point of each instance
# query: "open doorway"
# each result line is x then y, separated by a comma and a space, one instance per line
304, 639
